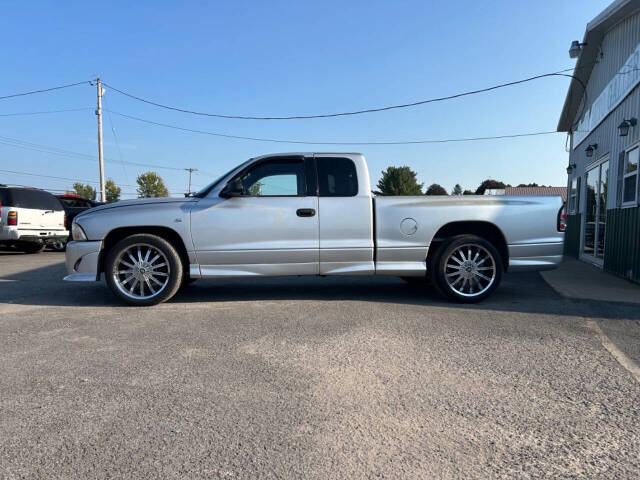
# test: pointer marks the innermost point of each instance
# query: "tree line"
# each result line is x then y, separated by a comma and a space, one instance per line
404, 181
150, 185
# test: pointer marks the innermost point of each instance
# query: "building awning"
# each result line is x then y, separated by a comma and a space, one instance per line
545, 191
593, 36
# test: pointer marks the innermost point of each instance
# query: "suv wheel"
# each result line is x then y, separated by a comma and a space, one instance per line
34, 247
468, 268
143, 270
59, 245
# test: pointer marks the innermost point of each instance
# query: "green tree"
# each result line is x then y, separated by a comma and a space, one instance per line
112, 191
530, 185
435, 189
150, 185
399, 181
85, 191
468, 192
457, 190
490, 184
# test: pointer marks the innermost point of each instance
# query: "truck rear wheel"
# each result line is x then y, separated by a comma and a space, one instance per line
467, 268
143, 270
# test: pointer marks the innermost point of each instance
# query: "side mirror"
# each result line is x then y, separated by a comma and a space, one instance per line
233, 189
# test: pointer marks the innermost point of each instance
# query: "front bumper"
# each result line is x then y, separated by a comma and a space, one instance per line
82, 261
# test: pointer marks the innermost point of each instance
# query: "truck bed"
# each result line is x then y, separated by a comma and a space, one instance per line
405, 227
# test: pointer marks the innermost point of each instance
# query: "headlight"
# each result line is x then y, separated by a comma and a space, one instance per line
78, 233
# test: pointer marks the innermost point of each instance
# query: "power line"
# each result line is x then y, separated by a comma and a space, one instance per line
56, 178
115, 137
307, 142
348, 113
45, 112
12, 142
45, 90
67, 179
47, 176
80, 156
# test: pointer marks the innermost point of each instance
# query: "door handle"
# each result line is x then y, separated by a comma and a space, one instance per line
305, 212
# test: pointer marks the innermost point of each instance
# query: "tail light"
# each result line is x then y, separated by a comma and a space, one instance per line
562, 220
12, 219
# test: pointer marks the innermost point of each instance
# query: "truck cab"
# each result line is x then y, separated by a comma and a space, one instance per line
287, 215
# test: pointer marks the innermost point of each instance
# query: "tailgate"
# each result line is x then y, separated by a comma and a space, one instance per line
32, 219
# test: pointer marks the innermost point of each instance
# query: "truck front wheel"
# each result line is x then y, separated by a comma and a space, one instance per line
467, 268
143, 270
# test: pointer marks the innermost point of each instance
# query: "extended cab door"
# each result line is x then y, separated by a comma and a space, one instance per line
346, 215
270, 229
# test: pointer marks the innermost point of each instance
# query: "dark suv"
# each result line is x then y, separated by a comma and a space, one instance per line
73, 205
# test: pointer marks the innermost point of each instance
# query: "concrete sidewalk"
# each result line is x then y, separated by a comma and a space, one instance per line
576, 279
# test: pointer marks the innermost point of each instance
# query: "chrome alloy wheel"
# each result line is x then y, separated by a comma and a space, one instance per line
470, 270
141, 271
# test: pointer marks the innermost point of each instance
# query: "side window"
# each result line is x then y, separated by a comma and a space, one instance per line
275, 178
573, 196
337, 177
630, 177
69, 202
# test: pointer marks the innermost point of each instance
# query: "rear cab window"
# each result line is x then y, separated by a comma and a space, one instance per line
337, 177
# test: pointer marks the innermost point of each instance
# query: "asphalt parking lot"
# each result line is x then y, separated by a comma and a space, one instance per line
310, 378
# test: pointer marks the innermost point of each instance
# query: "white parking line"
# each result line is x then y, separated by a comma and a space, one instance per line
632, 367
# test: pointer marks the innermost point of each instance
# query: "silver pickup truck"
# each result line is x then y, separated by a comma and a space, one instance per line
312, 214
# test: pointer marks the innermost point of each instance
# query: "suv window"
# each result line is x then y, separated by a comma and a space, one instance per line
68, 202
337, 177
275, 178
35, 199
75, 202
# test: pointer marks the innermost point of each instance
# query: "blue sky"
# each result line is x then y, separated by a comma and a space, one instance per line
281, 58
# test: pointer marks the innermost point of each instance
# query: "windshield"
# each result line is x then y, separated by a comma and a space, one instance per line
203, 193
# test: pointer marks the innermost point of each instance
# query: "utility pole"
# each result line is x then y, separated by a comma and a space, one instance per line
103, 196
190, 170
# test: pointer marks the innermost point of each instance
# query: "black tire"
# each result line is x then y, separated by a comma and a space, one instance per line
171, 265
456, 268
58, 246
33, 247
415, 280
187, 281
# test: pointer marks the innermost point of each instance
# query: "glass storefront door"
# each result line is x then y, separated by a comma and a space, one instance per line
595, 214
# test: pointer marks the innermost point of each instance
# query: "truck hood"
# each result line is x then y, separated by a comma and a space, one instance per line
158, 202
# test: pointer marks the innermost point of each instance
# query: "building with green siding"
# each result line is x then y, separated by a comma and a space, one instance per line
601, 116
